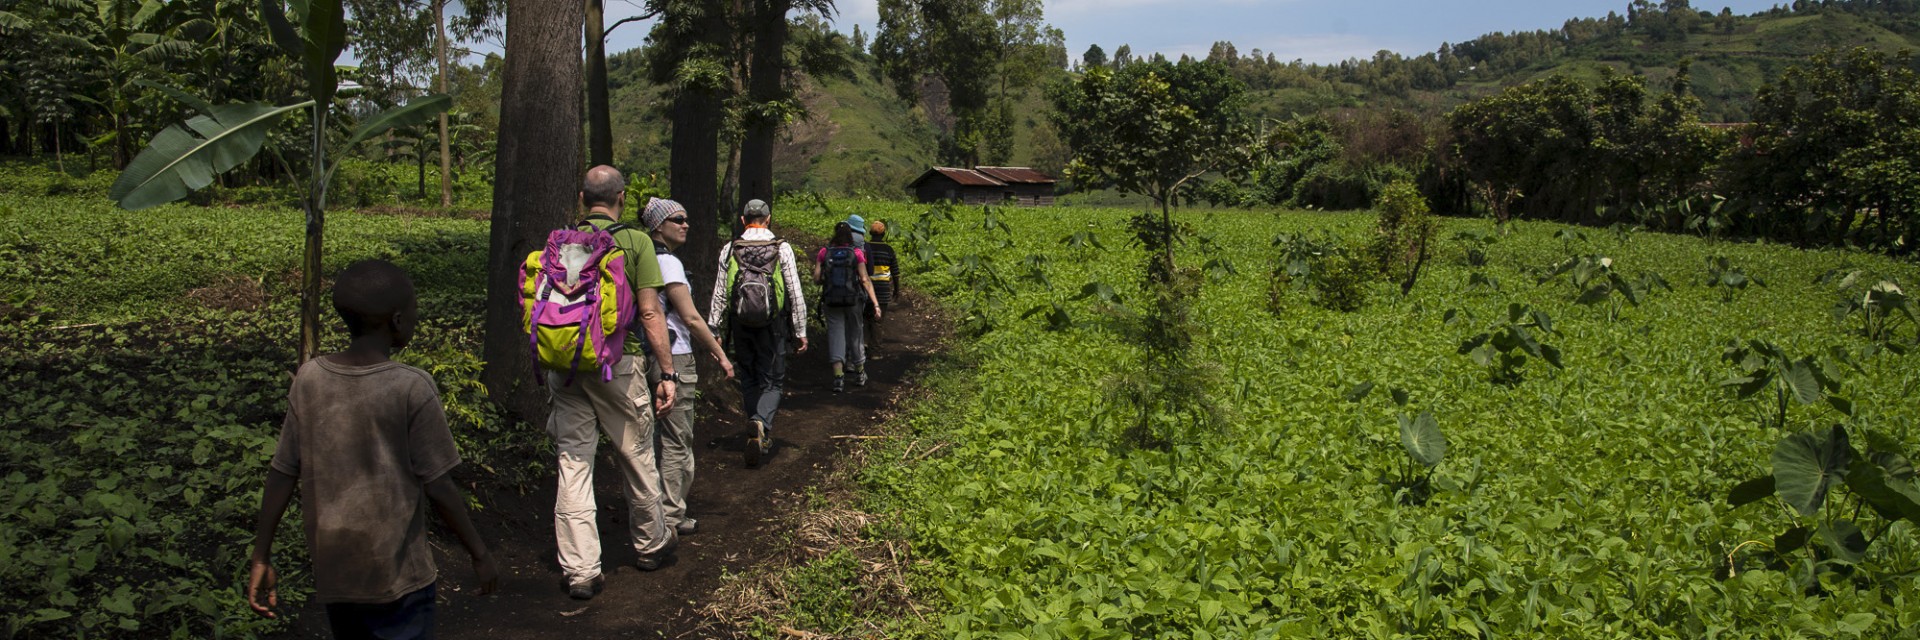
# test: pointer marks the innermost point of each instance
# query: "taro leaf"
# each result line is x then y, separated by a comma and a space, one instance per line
1399, 396
1805, 466
1751, 491
1484, 355
1890, 496
1515, 311
1897, 466
1625, 288
1358, 392
1791, 540
1746, 386
1551, 354
1473, 344
1595, 295
1542, 320
1800, 377
1449, 316
1840, 404
181, 159
1844, 540
1422, 438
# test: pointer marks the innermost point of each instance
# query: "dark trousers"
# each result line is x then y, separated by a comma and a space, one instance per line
409, 618
760, 365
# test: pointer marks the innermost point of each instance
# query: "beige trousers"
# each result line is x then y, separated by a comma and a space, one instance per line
622, 409
676, 439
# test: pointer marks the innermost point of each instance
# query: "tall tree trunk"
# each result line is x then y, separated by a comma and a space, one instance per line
599, 117
765, 84
537, 180
6, 136
446, 152
693, 169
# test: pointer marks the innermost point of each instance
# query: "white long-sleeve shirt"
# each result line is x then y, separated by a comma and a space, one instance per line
796, 301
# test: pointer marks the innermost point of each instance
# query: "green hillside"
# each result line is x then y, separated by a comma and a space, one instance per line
860, 138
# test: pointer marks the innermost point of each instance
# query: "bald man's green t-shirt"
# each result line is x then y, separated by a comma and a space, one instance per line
643, 267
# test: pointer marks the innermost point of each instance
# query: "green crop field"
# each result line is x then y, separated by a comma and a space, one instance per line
144, 358
1589, 501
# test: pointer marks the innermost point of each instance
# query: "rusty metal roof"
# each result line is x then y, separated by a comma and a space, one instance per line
966, 177
1016, 175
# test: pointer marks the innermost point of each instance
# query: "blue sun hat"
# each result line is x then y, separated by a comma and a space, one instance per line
859, 225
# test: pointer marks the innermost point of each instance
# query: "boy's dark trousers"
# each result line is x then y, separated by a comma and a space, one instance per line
409, 618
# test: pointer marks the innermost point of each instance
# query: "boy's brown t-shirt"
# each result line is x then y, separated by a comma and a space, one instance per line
364, 441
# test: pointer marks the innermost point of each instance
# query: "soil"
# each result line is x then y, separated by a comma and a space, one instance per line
738, 509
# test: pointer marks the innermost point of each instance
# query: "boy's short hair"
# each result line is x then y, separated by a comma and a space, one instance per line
369, 292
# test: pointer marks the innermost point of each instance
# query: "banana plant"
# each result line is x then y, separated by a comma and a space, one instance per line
1764, 365
184, 158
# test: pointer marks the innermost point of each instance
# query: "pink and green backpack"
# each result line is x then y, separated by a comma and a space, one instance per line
577, 303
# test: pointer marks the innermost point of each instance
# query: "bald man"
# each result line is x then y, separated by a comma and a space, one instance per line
619, 407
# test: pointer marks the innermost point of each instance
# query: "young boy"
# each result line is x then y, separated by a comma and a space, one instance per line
366, 439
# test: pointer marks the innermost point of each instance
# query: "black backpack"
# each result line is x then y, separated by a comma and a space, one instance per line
841, 285
758, 293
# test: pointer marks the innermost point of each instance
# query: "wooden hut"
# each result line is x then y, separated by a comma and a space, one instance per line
985, 185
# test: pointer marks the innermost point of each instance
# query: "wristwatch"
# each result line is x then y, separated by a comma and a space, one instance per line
671, 376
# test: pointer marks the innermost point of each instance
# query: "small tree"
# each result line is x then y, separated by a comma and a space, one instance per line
1150, 128
181, 159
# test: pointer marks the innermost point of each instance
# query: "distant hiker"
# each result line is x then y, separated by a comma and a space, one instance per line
617, 404
758, 305
666, 222
859, 226
883, 267
845, 294
366, 440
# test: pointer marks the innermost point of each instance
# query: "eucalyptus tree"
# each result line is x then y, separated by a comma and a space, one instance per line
536, 180
183, 158
966, 45
690, 50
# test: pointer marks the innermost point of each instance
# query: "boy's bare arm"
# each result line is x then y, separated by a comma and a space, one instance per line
452, 507
260, 574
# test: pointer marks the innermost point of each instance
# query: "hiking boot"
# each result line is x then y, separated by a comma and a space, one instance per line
653, 561
860, 377
758, 442
586, 590
839, 384
687, 527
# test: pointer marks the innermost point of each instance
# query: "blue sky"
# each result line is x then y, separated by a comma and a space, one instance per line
1312, 30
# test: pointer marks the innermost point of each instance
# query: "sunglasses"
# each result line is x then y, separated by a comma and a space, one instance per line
676, 220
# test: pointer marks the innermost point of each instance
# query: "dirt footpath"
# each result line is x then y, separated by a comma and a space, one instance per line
736, 507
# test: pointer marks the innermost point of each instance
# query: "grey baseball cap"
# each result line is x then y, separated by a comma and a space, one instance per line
757, 208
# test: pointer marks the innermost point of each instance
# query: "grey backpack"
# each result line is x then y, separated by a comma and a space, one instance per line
758, 293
